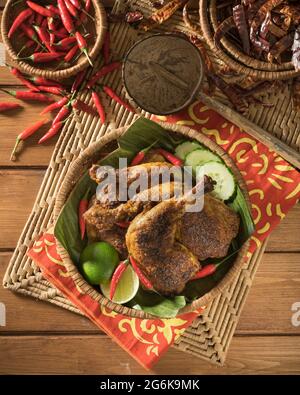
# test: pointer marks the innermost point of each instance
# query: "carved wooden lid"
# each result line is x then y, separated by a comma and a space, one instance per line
162, 73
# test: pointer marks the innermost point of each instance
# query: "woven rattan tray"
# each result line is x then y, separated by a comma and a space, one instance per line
210, 334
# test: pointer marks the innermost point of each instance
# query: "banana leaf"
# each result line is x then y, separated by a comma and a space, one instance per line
138, 136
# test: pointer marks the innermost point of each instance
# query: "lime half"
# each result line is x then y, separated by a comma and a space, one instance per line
127, 287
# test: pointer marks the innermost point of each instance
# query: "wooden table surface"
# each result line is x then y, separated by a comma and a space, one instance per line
42, 338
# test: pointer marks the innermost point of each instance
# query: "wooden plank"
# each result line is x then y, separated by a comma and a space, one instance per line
17, 190
286, 236
98, 355
278, 276
13, 123
25, 314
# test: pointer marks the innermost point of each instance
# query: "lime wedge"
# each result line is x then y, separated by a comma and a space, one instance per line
126, 289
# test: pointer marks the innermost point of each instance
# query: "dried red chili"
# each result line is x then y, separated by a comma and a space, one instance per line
239, 18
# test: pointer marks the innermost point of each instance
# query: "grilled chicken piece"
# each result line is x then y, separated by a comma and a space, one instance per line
98, 172
151, 240
209, 232
101, 219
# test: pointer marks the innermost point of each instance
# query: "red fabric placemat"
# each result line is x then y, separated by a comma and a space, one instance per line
274, 188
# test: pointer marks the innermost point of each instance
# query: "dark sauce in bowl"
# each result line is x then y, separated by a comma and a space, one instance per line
162, 73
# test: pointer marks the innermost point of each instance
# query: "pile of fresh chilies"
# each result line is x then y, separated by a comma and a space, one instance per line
267, 30
69, 100
52, 32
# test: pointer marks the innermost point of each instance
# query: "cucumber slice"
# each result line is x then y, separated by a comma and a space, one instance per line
219, 172
182, 150
199, 157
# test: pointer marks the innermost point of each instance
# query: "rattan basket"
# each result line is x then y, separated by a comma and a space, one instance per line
81, 165
232, 56
13, 45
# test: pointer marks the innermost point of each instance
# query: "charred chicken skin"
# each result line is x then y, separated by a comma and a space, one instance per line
166, 241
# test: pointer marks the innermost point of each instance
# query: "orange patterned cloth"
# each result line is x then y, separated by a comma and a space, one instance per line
274, 188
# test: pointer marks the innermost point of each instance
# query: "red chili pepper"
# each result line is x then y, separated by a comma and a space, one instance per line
76, 4
72, 10
124, 224
52, 28
38, 20
116, 278
39, 57
25, 134
53, 9
25, 82
81, 106
140, 275
31, 96
106, 47
206, 270
170, 157
6, 106
51, 132
78, 81
70, 55
83, 46
102, 72
99, 106
19, 20
45, 82
28, 44
116, 98
31, 19
50, 89
88, 4
65, 16
139, 157
43, 36
55, 106
61, 115
66, 42
82, 208
29, 32
61, 33
39, 9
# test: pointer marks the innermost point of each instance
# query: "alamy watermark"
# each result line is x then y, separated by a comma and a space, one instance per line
151, 183
296, 316
2, 314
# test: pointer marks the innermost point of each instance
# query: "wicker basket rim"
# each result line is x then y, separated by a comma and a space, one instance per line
233, 63
241, 56
73, 175
101, 26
